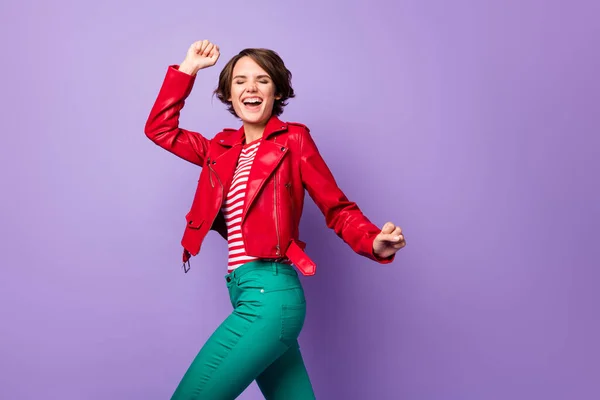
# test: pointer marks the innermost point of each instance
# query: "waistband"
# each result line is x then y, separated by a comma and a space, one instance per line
295, 253
264, 265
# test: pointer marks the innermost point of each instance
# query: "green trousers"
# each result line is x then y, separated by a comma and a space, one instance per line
257, 341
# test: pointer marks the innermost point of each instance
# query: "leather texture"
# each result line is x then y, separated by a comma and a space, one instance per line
287, 164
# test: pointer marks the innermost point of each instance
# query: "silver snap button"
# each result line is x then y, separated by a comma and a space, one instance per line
262, 290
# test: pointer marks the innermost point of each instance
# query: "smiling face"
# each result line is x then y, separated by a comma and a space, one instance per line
252, 92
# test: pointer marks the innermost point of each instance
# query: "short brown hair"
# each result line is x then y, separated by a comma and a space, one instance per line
272, 63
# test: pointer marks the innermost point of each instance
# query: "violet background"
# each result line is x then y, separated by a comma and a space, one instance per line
473, 125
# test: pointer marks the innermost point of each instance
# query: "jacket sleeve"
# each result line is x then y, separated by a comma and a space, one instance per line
162, 126
341, 214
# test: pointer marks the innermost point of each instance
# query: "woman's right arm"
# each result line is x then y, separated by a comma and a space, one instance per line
162, 126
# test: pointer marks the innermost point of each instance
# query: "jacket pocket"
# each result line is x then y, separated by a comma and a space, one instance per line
194, 233
193, 222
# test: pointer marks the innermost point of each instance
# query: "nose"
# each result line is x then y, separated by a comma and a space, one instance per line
251, 87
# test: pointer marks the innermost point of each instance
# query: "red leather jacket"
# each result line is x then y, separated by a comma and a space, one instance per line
286, 163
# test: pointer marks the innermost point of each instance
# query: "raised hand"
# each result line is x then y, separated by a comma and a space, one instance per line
389, 241
201, 54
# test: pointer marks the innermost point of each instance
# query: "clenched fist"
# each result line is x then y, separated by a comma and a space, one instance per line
389, 241
201, 54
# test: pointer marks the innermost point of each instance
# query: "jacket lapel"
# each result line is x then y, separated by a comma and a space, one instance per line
225, 164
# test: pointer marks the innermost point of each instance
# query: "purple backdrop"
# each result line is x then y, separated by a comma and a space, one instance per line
472, 125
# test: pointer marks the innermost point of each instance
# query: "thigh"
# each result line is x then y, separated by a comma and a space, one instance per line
235, 354
286, 378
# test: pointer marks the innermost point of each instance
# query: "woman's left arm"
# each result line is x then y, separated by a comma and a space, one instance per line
343, 215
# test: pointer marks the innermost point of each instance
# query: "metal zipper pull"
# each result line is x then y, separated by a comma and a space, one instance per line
210, 172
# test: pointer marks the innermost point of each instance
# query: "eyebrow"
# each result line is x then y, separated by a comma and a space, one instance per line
258, 77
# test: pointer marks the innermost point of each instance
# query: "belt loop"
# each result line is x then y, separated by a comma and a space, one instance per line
274, 264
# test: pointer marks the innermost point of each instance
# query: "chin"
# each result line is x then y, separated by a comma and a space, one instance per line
255, 119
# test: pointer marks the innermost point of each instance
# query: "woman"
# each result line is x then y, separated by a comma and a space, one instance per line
251, 191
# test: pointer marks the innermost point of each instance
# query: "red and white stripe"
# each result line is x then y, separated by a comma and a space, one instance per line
234, 207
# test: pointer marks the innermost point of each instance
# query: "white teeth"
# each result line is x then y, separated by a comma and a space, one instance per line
252, 100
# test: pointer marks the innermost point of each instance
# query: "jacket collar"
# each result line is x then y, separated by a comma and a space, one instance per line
234, 137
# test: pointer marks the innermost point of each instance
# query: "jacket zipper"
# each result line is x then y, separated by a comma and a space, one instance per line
217, 175
278, 253
210, 172
289, 188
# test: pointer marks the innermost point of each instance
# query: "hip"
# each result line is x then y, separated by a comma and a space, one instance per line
266, 284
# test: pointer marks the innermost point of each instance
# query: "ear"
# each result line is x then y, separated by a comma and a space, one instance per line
278, 97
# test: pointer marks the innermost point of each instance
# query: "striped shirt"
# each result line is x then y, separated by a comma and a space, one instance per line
234, 207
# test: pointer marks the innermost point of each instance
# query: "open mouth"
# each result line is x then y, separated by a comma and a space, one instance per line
252, 103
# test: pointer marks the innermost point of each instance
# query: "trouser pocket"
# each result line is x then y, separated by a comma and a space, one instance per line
292, 321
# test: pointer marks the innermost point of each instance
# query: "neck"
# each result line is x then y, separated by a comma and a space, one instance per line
253, 132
